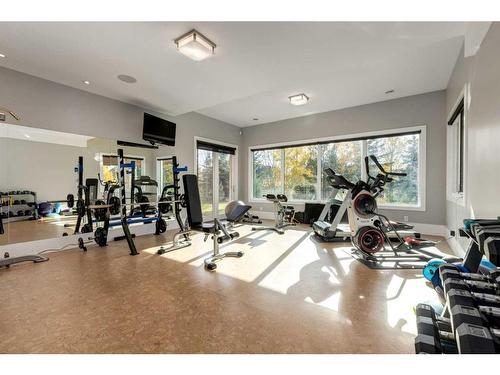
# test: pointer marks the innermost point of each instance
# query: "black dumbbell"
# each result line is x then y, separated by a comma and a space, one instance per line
466, 298
425, 344
476, 339
482, 315
447, 271
434, 333
472, 286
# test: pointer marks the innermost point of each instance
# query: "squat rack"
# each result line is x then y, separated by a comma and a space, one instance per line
123, 213
182, 237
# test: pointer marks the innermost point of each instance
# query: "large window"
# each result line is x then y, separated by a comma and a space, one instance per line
344, 158
301, 167
267, 172
398, 154
297, 170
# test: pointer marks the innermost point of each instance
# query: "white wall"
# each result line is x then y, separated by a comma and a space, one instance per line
480, 74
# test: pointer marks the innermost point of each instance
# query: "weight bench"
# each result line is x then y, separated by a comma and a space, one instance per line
280, 214
216, 228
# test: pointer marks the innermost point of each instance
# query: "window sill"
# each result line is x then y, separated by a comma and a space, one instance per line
383, 207
255, 200
402, 208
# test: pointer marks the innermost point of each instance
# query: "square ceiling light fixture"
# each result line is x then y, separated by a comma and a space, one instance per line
299, 99
195, 45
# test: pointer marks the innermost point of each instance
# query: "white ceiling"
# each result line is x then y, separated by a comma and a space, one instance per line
255, 68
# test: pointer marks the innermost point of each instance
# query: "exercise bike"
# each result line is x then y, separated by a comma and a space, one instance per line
330, 225
370, 231
377, 187
283, 215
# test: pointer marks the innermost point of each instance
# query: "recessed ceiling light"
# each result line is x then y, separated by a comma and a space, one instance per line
86, 82
194, 45
2, 55
299, 99
389, 91
127, 79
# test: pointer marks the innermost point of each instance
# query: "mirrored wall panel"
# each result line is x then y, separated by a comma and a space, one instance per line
41, 178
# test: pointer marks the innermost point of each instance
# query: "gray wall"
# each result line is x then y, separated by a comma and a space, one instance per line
427, 109
482, 182
48, 105
45, 168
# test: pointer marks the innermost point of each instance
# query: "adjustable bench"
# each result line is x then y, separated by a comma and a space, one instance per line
216, 228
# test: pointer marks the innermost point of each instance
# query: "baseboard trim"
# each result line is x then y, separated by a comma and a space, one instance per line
431, 229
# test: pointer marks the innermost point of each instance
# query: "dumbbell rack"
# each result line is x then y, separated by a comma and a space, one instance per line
6, 206
470, 321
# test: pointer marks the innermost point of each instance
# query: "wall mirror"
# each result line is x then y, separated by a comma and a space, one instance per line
40, 177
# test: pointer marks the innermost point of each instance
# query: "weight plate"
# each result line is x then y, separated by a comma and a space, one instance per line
70, 200
100, 213
100, 237
164, 206
115, 205
86, 228
161, 226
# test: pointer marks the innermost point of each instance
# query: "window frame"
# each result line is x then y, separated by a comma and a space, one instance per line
454, 140
422, 183
159, 171
101, 164
234, 164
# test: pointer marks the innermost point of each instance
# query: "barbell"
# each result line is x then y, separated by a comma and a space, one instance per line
70, 200
115, 205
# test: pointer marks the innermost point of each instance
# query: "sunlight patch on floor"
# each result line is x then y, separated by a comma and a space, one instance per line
258, 260
402, 295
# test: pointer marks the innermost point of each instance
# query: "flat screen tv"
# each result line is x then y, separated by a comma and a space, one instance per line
158, 130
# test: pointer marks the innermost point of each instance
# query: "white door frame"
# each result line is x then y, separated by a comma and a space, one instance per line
234, 168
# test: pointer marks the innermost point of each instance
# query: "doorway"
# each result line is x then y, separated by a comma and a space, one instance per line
216, 170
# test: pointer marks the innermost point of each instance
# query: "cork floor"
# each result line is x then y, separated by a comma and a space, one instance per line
287, 294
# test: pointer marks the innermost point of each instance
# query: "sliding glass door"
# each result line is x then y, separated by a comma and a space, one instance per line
216, 180
206, 180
